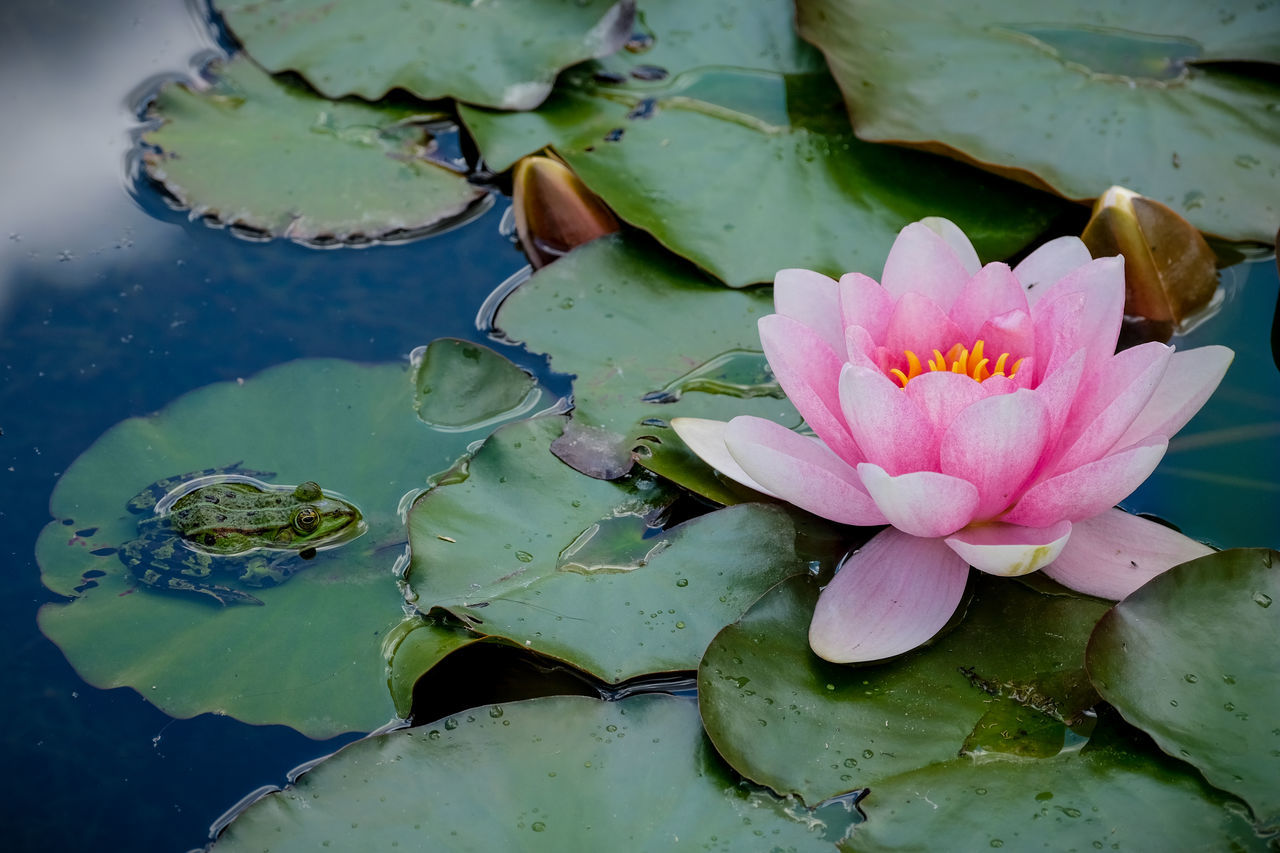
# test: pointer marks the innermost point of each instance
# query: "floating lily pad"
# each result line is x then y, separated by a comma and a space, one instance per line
529, 550
311, 658
275, 159
1075, 96
1191, 659
1112, 795
647, 337
555, 774
500, 53
743, 162
461, 385
785, 718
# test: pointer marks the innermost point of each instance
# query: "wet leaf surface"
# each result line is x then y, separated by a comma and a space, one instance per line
1190, 658
502, 53
1075, 96
274, 159
311, 658
628, 320
555, 774
738, 156
460, 385
785, 718
531, 551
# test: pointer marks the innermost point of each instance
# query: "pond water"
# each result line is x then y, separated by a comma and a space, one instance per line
112, 304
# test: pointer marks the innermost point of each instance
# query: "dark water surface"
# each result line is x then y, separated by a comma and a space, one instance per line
112, 305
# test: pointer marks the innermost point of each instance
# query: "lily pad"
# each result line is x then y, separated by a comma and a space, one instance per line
311, 658
647, 337
1111, 795
273, 158
785, 718
500, 53
1190, 658
748, 165
563, 773
461, 385
529, 550
1075, 96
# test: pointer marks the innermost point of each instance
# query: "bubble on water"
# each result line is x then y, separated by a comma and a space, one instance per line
1262, 599
1191, 678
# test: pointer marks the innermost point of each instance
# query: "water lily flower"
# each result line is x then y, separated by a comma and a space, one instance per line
981, 412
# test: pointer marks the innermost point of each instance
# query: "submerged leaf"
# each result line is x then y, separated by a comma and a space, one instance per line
274, 159
1190, 658
311, 658
500, 53
1169, 269
1075, 95
460, 385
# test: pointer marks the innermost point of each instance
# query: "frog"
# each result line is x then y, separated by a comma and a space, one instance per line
231, 520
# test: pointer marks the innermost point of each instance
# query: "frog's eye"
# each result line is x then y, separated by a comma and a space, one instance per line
308, 491
306, 519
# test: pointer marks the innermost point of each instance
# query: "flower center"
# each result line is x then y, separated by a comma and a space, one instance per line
959, 359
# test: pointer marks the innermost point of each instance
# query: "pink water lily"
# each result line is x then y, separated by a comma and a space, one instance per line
982, 412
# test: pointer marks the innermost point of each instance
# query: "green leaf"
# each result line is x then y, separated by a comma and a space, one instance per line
273, 158
629, 321
1075, 95
462, 386
529, 550
1108, 796
747, 166
500, 53
555, 774
785, 718
1191, 659
311, 658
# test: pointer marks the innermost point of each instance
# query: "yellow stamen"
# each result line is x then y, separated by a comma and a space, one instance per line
959, 359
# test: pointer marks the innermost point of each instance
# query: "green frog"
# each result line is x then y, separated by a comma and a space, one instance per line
228, 520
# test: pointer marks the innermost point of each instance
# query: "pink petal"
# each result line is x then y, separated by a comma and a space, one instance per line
860, 349
1007, 549
1083, 310
800, 470
890, 597
1088, 490
990, 293
941, 395
1112, 554
887, 425
922, 503
1108, 402
1191, 377
920, 325
812, 299
809, 372
922, 262
1013, 332
706, 438
1050, 262
1057, 390
956, 239
863, 302
996, 444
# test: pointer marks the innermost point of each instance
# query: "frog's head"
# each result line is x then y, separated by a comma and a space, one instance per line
320, 519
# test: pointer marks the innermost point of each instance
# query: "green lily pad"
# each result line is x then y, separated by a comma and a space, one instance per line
1111, 795
785, 718
274, 159
1191, 659
638, 327
749, 168
500, 53
311, 658
529, 550
415, 646
462, 386
555, 774
1075, 96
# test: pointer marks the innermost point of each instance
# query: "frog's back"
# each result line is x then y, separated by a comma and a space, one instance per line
145, 501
